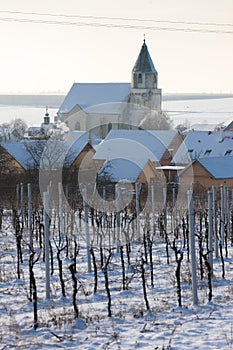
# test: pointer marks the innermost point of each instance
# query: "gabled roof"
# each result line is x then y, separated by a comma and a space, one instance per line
165, 136
93, 97
201, 144
20, 152
229, 126
144, 62
119, 169
55, 152
218, 167
76, 142
59, 154
202, 127
136, 145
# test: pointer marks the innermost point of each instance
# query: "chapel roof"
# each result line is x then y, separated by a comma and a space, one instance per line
96, 97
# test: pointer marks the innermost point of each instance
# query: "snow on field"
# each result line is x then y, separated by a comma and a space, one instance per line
165, 326
193, 111
200, 111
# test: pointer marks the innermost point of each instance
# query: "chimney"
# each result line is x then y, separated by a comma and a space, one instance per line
89, 138
171, 151
221, 134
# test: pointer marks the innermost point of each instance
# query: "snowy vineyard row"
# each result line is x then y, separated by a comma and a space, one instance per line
81, 253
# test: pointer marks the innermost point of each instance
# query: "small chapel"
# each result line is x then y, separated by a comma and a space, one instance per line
92, 106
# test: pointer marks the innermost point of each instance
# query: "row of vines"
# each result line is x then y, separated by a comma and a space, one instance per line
79, 253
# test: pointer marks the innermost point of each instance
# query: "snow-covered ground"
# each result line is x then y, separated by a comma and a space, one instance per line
165, 326
189, 112
202, 111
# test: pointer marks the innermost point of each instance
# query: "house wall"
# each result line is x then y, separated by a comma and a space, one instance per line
84, 168
149, 172
8, 164
172, 149
84, 157
196, 174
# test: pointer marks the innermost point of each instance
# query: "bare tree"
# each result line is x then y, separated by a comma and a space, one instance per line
5, 132
155, 120
49, 154
35, 150
18, 128
13, 131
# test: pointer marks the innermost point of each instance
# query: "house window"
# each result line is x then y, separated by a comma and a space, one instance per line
190, 153
228, 152
207, 152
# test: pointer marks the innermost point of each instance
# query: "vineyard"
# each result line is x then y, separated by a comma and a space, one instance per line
154, 275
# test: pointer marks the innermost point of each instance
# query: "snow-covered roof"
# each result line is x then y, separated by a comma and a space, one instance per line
218, 167
229, 126
58, 153
116, 170
199, 144
165, 136
96, 97
136, 145
202, 127
76, 141
20, 152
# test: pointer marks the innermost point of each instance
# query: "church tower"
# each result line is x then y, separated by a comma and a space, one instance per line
144, 91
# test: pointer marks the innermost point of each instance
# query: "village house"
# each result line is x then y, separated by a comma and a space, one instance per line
125, 171
204, 144
202, 154
143, 151
8, 163
28, 156
203, 173
79, 165
16, 157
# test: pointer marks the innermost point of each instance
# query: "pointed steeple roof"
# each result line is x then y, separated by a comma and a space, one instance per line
144, 62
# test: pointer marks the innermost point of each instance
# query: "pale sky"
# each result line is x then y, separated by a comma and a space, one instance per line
38, 57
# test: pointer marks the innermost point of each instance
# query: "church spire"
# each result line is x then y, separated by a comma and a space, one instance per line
144, 63
144, 90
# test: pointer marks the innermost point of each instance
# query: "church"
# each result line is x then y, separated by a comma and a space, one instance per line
102, 106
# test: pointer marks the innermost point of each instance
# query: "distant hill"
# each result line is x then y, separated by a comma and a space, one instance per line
55, 101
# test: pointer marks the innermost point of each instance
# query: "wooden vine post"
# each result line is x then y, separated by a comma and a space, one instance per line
192, 247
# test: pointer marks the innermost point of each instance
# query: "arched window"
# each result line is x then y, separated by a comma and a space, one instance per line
77, 126
139, 78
